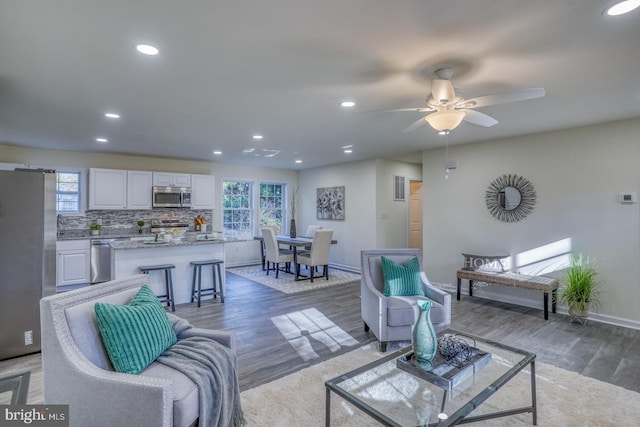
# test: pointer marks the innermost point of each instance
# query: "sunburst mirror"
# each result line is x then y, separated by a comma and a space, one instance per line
510, 198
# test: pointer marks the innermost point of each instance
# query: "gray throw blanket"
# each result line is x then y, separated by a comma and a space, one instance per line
212, 366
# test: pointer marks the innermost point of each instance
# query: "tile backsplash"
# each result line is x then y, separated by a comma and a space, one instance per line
125, 220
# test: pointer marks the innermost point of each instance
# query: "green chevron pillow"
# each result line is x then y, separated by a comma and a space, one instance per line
401, 279
135, 334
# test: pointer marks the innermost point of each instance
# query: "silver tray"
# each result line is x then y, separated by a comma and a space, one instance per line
444, 375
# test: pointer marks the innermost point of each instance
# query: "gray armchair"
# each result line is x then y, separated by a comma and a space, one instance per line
392, 318
77, 371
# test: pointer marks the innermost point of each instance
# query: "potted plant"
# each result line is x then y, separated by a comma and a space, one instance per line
580, 288
95, 229
140, 224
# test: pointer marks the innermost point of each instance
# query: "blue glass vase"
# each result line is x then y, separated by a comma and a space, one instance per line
425, 343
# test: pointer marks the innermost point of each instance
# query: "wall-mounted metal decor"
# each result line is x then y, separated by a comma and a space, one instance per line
330, 203
510, 198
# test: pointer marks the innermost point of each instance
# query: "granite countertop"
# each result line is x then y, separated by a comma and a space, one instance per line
138, 244
84, 234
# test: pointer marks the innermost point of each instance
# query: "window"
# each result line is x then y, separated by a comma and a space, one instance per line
237, 207
68, 192
272, 205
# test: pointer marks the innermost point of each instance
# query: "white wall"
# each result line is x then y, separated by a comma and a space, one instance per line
393, 231
578, 175
357, 231
368, 192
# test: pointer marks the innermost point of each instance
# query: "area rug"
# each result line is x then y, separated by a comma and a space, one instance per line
286, 282
565, 398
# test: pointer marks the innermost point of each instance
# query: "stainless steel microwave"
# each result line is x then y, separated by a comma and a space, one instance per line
171, 197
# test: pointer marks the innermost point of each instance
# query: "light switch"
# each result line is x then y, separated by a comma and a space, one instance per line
627, 198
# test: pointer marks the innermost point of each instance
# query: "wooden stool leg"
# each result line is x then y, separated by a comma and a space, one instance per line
199, 283
219, 271
169, 284
193, 283
213, 281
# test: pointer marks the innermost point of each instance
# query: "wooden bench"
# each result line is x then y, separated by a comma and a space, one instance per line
536, 283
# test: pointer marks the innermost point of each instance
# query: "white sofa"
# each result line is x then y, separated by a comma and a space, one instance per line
77, 370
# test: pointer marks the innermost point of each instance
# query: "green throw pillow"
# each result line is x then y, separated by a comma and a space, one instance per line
135, 334
401, 279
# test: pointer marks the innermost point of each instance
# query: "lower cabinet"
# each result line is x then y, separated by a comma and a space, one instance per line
73, 262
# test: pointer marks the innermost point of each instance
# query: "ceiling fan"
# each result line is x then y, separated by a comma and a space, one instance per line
449, 108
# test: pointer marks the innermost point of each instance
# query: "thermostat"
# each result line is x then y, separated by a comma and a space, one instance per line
628, 197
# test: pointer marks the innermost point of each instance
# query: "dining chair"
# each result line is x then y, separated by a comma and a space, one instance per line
318, 255
311, 230
263, 248
274, 254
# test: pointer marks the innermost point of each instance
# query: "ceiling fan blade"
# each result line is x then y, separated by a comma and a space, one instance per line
415, 109
443, 91
504, 98
478, 118
415, 125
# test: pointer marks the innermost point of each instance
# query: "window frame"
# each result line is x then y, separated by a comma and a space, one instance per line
250, 209
284, 203
81, 191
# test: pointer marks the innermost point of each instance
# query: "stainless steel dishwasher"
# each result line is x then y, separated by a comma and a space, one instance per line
101, 259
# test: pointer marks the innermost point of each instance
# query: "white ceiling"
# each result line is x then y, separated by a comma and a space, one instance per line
230, 69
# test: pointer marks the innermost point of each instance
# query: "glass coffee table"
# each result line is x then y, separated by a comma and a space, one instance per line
396, 396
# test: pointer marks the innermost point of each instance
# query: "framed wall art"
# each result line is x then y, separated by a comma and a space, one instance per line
330, 203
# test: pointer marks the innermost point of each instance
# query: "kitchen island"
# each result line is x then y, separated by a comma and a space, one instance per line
128, 256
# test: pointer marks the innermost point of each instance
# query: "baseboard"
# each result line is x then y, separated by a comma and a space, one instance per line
536, 303
243, 263
344, 267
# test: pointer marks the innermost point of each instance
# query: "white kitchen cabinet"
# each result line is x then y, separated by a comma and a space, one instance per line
107, 188
203, 191
73, 262
139, 189
168, 179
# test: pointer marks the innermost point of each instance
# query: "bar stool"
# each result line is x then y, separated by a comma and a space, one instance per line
168, 282
217, 281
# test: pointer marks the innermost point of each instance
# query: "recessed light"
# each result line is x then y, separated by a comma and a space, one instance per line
298, 161
257, 137
147, 49
623, 7
103, 140
443, 132
217, 152
112, 115
348, 151
248, 150
347, 104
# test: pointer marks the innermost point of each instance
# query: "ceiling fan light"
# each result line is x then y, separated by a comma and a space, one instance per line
445, 120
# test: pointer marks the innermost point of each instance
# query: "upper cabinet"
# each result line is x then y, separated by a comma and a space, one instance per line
168, 179
202, 191
139, 185
107, 188
112, 189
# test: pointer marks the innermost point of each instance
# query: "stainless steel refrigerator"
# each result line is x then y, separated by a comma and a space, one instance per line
27, 257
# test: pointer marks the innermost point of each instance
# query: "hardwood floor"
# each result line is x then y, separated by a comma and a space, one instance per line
601, 351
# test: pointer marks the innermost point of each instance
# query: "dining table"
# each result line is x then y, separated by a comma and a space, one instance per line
293, 242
